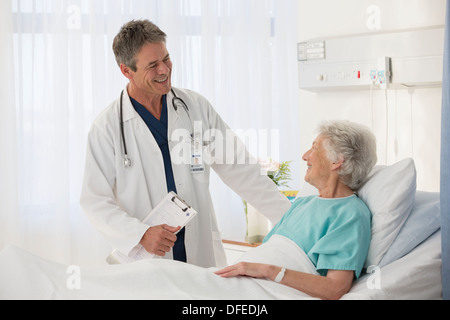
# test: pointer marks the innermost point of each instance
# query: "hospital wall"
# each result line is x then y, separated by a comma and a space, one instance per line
405, 122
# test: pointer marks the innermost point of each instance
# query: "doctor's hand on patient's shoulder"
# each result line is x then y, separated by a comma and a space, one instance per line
159, 239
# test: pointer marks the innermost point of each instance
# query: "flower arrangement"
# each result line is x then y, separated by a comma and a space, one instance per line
279, 173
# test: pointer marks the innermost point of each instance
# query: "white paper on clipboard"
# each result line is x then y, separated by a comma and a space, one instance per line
173, 211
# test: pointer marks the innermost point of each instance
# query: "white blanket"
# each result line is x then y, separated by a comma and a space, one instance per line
25, 276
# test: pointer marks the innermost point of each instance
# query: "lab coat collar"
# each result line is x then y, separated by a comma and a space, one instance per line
128, 110
130, 113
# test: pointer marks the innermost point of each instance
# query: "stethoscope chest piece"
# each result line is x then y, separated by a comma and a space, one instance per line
126, 162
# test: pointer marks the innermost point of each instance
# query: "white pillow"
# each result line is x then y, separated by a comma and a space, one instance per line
389, 192
424, 220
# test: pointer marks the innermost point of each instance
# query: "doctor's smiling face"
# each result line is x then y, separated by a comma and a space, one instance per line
152, 77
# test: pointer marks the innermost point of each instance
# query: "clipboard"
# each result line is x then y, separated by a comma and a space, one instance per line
173, 211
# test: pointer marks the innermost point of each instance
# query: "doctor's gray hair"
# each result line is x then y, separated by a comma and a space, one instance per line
353, 143
132, 37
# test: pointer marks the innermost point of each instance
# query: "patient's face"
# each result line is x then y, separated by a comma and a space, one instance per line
319, 167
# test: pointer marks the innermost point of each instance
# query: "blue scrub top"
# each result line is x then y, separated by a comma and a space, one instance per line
334, 233
159, 129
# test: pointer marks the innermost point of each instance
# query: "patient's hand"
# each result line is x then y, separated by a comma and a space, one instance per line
254, 270
332, 286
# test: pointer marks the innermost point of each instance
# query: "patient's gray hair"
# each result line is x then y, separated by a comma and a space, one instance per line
132, 37
355, 144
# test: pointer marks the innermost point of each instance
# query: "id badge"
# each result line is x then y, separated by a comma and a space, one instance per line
197, 165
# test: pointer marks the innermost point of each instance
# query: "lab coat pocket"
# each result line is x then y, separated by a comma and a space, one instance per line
202, 177
200, 168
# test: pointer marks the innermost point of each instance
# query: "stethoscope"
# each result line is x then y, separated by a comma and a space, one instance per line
176, 103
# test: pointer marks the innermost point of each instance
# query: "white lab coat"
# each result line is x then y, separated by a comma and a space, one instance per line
116, 199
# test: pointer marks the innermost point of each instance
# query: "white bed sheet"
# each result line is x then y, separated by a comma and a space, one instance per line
25, 276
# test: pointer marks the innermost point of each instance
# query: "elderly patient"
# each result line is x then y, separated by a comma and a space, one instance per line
333, 228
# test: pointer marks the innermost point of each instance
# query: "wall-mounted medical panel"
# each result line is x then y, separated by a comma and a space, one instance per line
411, 58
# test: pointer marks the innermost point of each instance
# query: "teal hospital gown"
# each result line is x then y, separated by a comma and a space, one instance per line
334, 233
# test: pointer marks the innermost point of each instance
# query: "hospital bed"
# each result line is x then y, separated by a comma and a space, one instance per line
404, 260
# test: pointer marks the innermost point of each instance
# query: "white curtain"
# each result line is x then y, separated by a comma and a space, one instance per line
59, 72
8, 143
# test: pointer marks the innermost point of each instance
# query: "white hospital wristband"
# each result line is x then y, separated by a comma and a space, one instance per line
280, 275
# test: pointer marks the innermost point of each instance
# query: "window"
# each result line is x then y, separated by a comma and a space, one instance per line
239, 54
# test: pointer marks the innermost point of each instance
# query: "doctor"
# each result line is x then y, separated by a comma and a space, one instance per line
136, 153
